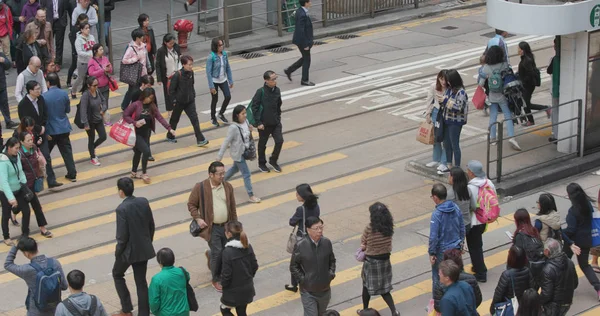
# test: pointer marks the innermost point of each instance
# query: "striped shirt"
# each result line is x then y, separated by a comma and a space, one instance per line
375, 242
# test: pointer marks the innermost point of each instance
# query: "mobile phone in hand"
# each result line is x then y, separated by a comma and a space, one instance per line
509, 234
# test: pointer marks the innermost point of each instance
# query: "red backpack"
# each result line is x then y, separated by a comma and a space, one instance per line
488, 208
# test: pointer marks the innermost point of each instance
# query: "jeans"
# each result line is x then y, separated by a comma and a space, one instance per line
127, 97
4, 106
475, 244
439, 155
452, 143
66, 151
51, 177
58, 31
242, 167
214, 98
263, 137
508, 123
139, 274
303, 62
435, 277
315, 304
584, 264
92, 145
141, 150
190, 111
216, 244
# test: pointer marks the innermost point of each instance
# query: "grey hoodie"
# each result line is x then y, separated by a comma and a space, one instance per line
551, 220
82, 302
474, 186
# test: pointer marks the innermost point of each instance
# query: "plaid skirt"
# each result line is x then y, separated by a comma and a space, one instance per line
377, 276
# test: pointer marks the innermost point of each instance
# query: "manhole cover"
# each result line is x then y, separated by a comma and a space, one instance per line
251, 55
280, 50
449, 28
347, 36
317, 43
492, 34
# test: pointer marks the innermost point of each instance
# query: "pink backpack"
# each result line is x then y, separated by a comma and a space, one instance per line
488, 208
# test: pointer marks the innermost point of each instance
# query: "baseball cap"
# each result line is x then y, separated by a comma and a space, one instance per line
477, 168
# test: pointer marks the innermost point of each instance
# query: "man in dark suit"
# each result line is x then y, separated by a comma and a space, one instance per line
135, 233
303, 38
56, 13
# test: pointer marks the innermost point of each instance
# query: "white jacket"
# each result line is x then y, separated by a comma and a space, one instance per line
474, 186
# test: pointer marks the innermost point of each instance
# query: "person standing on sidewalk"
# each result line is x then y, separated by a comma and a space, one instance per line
313, 265
238, 139
212, 205
477, 179
5, 64
79, 302
218, 73
93, 106
303, 38
184, 99
167, 63
435, 95
447, 229
266, 111
58, 125
135, 233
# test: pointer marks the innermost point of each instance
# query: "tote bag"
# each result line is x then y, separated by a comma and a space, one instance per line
595, 228
123, 133
293, 239
479, 98
131, 73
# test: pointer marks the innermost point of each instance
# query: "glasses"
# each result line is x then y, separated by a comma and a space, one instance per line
220, 174
318, 228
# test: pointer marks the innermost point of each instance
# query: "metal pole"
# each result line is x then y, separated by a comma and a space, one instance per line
101, 34
372, 8
110, 51
416, 4
279, 20
487, 165
169, 17
141, 6
324, 12
225, 25
579, 126
499, 157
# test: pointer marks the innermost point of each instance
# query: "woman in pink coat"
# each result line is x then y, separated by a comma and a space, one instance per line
100, 67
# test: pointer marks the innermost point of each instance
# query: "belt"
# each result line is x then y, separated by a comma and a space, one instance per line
222, 224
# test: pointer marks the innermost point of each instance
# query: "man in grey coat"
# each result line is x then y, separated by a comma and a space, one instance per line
27, 272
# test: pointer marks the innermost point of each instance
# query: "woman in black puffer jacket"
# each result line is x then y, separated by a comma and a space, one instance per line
529, 76
438, 292
517, 273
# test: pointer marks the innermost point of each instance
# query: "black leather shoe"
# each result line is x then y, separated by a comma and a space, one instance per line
12, 125
288, 74
307, 83
54, 185
291, 288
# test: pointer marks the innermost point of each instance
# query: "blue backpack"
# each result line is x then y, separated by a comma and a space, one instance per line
46, 294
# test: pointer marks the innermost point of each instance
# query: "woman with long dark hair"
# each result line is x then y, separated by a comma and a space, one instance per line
455, 108
578, 234
514, 280
376, 242
238, 269
167, 64
530, 304
548, 220
143, 115
529, 75
459, 194
93, 106
238, 139
527, 238
435, 95
309, 208
494, 66
218, 73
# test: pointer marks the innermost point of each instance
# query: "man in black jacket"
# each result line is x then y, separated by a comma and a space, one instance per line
135, 233
56, 14
313, 265
266, 110
184, 99
559, 280
303, 38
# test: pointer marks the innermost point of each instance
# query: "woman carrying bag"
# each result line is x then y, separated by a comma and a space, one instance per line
93, 106
309, 207
434, 96
241, 146
100, 67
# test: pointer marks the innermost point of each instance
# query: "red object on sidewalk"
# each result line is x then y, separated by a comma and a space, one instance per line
183, 28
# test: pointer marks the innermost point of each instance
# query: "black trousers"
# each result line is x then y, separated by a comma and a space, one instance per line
303, 62
214, 98
93, 143
190, 111
141, 150
239, 310
475, 244
59, 40
527, 94
73, 58
168, 100
584, 263
4, 106
45, 149
25, 209
127, 97
139, 275
66, 151
263, 137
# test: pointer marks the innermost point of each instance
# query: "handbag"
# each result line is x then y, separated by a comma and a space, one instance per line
293, 239
38, 183
27, 193
131, 73
195, 228
191, 296
360, 255
123, 133
113, 85
425, 133
479, 98
250, 151
510, 306
595, 228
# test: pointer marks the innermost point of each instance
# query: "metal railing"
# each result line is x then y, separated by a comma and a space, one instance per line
500, 140
335, 10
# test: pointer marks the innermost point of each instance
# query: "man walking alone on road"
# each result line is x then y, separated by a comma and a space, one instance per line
212, 205
303, 38
266, 110
135, 233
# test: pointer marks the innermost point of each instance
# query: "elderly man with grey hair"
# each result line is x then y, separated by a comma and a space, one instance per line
559, 280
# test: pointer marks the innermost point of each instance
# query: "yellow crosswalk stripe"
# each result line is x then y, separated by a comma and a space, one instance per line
592, 312
181, 228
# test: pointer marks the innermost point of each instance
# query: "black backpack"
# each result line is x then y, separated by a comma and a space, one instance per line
534, 248
75, 312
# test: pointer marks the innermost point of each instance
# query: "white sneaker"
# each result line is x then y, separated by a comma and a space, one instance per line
514, 144
432, 164
95, 161
442, 169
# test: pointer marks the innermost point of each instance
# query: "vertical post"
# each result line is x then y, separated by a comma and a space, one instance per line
372, 8
416, 4
579, 127
141, 6
324, 13
279, 20
225, 24
169, 24
487, 164
110, 51
500, 138
101, 32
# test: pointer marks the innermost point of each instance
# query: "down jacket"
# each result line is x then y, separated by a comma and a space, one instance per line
237, 273
438, 291
559, 281
504, 289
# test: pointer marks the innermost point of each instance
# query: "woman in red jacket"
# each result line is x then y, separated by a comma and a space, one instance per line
100, 67
143, 115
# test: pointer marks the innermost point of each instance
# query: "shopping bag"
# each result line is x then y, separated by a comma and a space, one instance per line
123, 133
595, 228
425, 133
479, 98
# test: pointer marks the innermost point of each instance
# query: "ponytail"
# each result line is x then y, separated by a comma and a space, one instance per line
236, 229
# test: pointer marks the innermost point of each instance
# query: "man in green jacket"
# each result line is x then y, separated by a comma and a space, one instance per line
167, 292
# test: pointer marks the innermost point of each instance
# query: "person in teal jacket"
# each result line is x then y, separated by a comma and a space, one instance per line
167, 292
11, 178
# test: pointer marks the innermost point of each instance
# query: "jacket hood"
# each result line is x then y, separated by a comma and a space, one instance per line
82, 302
235, 244
478, 182
559, 261
552, 219
447, 207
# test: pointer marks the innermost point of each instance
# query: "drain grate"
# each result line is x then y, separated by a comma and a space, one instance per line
492, 34
449, 27
317, 43
251, 55
347, 36
279, 50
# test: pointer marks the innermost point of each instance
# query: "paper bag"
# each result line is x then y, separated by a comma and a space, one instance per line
425, 133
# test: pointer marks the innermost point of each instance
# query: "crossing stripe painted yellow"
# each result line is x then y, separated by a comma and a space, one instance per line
592, 312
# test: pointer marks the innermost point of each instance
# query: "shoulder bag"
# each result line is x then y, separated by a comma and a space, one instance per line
131, 73
27, 193
195, 228
250, 151
38, 183
191, 296
293, 239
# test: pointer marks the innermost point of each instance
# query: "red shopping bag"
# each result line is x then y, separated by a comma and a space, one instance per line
479, 98
123, 133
